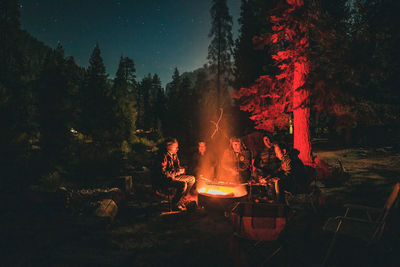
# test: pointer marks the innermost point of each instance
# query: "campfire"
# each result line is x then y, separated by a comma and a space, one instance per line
219, 195
222, 190
216, 191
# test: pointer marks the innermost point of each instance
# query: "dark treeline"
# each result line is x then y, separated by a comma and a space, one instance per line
64, 122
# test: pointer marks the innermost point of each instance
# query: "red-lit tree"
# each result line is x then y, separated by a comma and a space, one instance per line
272, 98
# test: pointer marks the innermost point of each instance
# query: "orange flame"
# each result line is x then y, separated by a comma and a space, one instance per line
222, 190
216, 191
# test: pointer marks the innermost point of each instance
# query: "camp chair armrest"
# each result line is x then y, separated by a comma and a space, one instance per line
356, 220
361, 207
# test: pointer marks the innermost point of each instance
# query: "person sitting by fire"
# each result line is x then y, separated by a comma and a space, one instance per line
292, 174
171, 174
203, 164
235, 163
266, 163
266, 167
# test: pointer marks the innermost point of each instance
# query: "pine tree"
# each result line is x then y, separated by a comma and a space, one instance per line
146, 87
158, 104
96, 103
126, 75
123, 102
16, 98
220, 48
185, 112
54, 94
75, 76
251, 61
140, 105
272, 98
173, 90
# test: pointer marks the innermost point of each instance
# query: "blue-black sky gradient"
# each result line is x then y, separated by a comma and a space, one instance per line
158, 35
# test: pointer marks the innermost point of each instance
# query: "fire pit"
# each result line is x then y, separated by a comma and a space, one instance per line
220, 196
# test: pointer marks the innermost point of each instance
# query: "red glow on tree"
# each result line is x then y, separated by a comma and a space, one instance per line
271, 99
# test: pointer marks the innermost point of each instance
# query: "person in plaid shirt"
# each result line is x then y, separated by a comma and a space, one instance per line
173, 175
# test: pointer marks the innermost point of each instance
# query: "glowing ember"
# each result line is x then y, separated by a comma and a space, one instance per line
221, 190
213, 191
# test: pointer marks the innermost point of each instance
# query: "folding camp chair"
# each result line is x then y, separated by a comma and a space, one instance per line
258, 228
165, 196
368, 228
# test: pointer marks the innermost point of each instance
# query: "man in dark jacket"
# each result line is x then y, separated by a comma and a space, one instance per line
266, 162
292, 176
171, 174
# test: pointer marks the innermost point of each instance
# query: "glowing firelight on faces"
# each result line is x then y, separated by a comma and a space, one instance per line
236, 146
202, 147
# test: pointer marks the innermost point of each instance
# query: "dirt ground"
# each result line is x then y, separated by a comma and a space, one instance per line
33, 234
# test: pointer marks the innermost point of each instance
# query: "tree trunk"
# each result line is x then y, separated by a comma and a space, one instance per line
302, 137
301, 115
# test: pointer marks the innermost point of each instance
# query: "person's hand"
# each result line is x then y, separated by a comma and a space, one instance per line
252, 181
275, 179
262, 180
182, 171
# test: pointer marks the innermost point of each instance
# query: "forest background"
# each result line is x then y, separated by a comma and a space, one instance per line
62, 123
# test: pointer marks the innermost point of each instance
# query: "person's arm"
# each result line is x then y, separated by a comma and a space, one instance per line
244, 161
287, 166
279, 171
181, 170
169, 174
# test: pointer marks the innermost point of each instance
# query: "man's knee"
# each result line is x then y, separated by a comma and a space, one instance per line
191, 180
188, 179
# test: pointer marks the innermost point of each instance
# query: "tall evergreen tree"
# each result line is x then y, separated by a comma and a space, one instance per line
54, 94
173, 95
271, 99
9, 31
75, 76
16, 98
102, 121
185, 112
158, 104
123, 100
146, 87
96, 103
140, 105
220, 48
251, 61
126, 75
172, 89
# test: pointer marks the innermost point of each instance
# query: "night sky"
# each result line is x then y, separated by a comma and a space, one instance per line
158, 35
